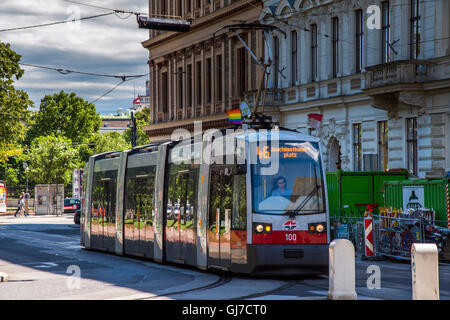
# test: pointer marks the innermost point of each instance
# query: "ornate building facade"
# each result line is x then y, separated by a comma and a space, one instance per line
198, 75
380, 76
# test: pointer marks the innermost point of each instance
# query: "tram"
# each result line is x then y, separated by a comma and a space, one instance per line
246, 201
3, 206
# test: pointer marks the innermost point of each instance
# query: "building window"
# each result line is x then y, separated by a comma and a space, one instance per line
382, 146
164, 92
208, 81
180, 8
189, 86
411, 145
313, 52
276, 60
180, 88
335, 40
294, 71
359, 48
242, 67
199, 82
385, 32
219, 77
163, 7
357, 151
415, 29
188, 6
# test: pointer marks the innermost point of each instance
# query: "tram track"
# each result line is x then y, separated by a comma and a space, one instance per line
223, 279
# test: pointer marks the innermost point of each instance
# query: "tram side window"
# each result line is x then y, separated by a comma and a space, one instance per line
239, 218
191, 199
182, 195
104, 196
139, 190
221, 199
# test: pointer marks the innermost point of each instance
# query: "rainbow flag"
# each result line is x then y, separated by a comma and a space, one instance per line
234, 116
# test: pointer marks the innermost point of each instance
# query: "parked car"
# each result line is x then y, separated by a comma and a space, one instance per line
73, 205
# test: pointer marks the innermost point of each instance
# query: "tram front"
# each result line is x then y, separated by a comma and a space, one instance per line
287, 210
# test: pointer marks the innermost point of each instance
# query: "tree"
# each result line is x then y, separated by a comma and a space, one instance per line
142, 119
100, 143
14, 104
52, 160
65, 115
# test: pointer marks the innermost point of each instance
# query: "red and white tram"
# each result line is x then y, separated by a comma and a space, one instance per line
247, 202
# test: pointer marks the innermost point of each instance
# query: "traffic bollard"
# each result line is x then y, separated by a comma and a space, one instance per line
341, 270
425, 271
3, 277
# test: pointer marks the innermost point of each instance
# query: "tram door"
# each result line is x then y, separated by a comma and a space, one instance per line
103, 217
180, 245
220, 211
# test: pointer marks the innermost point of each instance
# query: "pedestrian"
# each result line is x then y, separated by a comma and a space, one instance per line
21, 205
27, 197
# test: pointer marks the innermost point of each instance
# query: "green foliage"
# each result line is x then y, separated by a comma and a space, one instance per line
65, 115
100, 143
52, 160
14, 104
142, 119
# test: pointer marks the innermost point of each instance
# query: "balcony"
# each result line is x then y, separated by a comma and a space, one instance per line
399, 72
398, 82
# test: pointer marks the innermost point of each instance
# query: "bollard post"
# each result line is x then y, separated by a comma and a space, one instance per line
341, 270
425, 271
3, 277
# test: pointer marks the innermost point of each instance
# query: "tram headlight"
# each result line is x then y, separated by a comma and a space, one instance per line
318, 227
262, 227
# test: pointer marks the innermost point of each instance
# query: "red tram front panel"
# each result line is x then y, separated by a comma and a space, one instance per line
282, 230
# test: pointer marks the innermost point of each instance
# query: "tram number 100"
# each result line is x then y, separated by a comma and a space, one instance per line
291, 237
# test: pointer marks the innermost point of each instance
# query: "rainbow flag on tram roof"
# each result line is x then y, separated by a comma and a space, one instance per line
234, 116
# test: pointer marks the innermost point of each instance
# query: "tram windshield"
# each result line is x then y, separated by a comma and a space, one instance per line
294, 185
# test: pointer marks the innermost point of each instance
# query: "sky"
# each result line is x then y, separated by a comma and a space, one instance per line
105, 45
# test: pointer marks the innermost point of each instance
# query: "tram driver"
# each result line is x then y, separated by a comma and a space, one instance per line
280, 188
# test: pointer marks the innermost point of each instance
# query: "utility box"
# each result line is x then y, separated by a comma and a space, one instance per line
350, 191
415, 194
49, 199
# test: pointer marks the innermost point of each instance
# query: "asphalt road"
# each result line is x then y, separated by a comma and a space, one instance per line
44, 261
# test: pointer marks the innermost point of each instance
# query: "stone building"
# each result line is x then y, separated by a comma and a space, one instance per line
198, 75
380, 76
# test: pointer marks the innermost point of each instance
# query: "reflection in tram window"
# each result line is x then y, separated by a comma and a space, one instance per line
297, 187
221, 199
139, 197
104, 197
239, 214
182, 196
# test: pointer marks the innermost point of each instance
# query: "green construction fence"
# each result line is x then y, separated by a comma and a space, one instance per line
349, 191
430, 194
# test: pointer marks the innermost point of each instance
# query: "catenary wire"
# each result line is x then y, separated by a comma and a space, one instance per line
55, 23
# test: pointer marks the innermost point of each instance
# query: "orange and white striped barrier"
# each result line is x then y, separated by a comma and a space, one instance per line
368, 231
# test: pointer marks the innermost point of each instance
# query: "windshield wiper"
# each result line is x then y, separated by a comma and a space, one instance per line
293, 213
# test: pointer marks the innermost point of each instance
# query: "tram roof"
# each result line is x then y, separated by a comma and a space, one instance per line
280, 134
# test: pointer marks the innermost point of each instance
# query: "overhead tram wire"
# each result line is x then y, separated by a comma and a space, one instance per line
55, 23
117, 85
122, 11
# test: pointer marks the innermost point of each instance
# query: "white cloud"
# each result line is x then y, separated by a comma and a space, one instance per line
107, 45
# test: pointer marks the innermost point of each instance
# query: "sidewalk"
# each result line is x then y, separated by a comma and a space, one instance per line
11, 212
